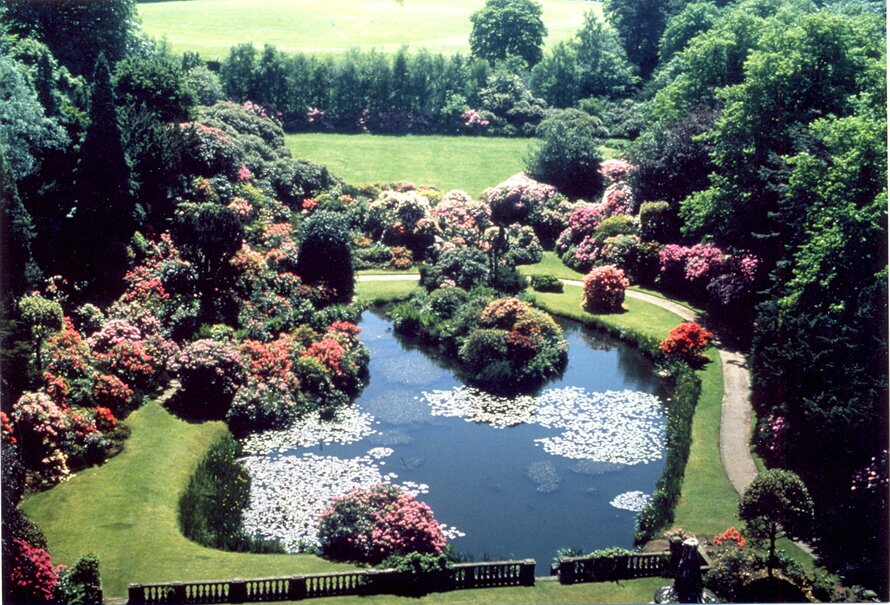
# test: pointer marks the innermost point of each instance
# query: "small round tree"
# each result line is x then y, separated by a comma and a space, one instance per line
776, 504
508, 28
325, 253
604, 289
568, 155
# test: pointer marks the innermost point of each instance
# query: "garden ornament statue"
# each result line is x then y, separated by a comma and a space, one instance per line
688, 586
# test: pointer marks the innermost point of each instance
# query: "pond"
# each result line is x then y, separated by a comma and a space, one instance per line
511, 478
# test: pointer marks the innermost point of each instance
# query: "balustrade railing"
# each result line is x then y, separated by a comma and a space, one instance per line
261, 590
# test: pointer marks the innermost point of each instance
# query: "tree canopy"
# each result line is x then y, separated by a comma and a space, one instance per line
508, 28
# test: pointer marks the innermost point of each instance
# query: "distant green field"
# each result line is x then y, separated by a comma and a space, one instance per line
211, 27
468, 163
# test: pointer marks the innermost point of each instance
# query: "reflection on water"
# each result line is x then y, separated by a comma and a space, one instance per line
565, 468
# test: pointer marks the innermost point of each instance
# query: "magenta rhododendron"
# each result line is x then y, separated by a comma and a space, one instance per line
616, 170
30, 572
371, 524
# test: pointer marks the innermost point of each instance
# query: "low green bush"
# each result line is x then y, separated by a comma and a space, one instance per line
80, 584
546, 283
212, 506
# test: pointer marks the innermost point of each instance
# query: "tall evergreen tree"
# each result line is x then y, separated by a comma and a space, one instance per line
102, 218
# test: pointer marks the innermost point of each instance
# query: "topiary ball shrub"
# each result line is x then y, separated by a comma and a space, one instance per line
686, 342
325, 253
604, 289
370, 525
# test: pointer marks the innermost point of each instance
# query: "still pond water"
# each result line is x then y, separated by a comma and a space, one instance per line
510, 494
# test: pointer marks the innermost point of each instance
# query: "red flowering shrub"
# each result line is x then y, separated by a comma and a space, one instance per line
730, 535
604, 289
686, 342
370, 525
111, 392
30, 573
6, 434
67, 355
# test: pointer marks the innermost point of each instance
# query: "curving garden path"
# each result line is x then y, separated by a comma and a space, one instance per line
736, 413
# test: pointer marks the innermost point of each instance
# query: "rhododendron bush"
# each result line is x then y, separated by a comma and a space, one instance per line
370, 525
686, 342
604, 289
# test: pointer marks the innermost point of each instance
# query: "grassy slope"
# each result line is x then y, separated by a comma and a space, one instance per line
125, 512
211, 27
468, 163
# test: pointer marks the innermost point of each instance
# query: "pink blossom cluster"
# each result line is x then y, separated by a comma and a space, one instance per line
473, 119
30, 572
604, 289
520, 189
372, 524
458, 211
618, 199
616, 170
314, 115
583, 222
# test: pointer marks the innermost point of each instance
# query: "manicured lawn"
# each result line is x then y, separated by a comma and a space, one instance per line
211, 27
550, 265
469, 163
125, 512
384, 291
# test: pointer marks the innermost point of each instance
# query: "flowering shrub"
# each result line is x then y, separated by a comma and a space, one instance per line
516, 198
672, 265
261, 405
457, 214
686, 342
111, 392
30, 573
703, 262
523, 245
618, 199
370, 525
210, 372
873, 478
730, 535
604, 289
402, 218
616, 170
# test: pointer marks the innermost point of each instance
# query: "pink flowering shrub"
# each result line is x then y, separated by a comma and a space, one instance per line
872, 479
604, 289
370, 525
41, 427
457, 214
474, 121
513, 200
616, 170
582, 224
672, 265
618, 199
703, 263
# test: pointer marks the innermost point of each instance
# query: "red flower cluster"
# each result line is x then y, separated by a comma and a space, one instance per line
31, 573
730, 535
686, 342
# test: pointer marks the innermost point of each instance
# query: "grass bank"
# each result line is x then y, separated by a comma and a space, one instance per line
211, 27
125, 512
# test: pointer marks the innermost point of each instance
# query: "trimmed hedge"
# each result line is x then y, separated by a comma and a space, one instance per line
660, 510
